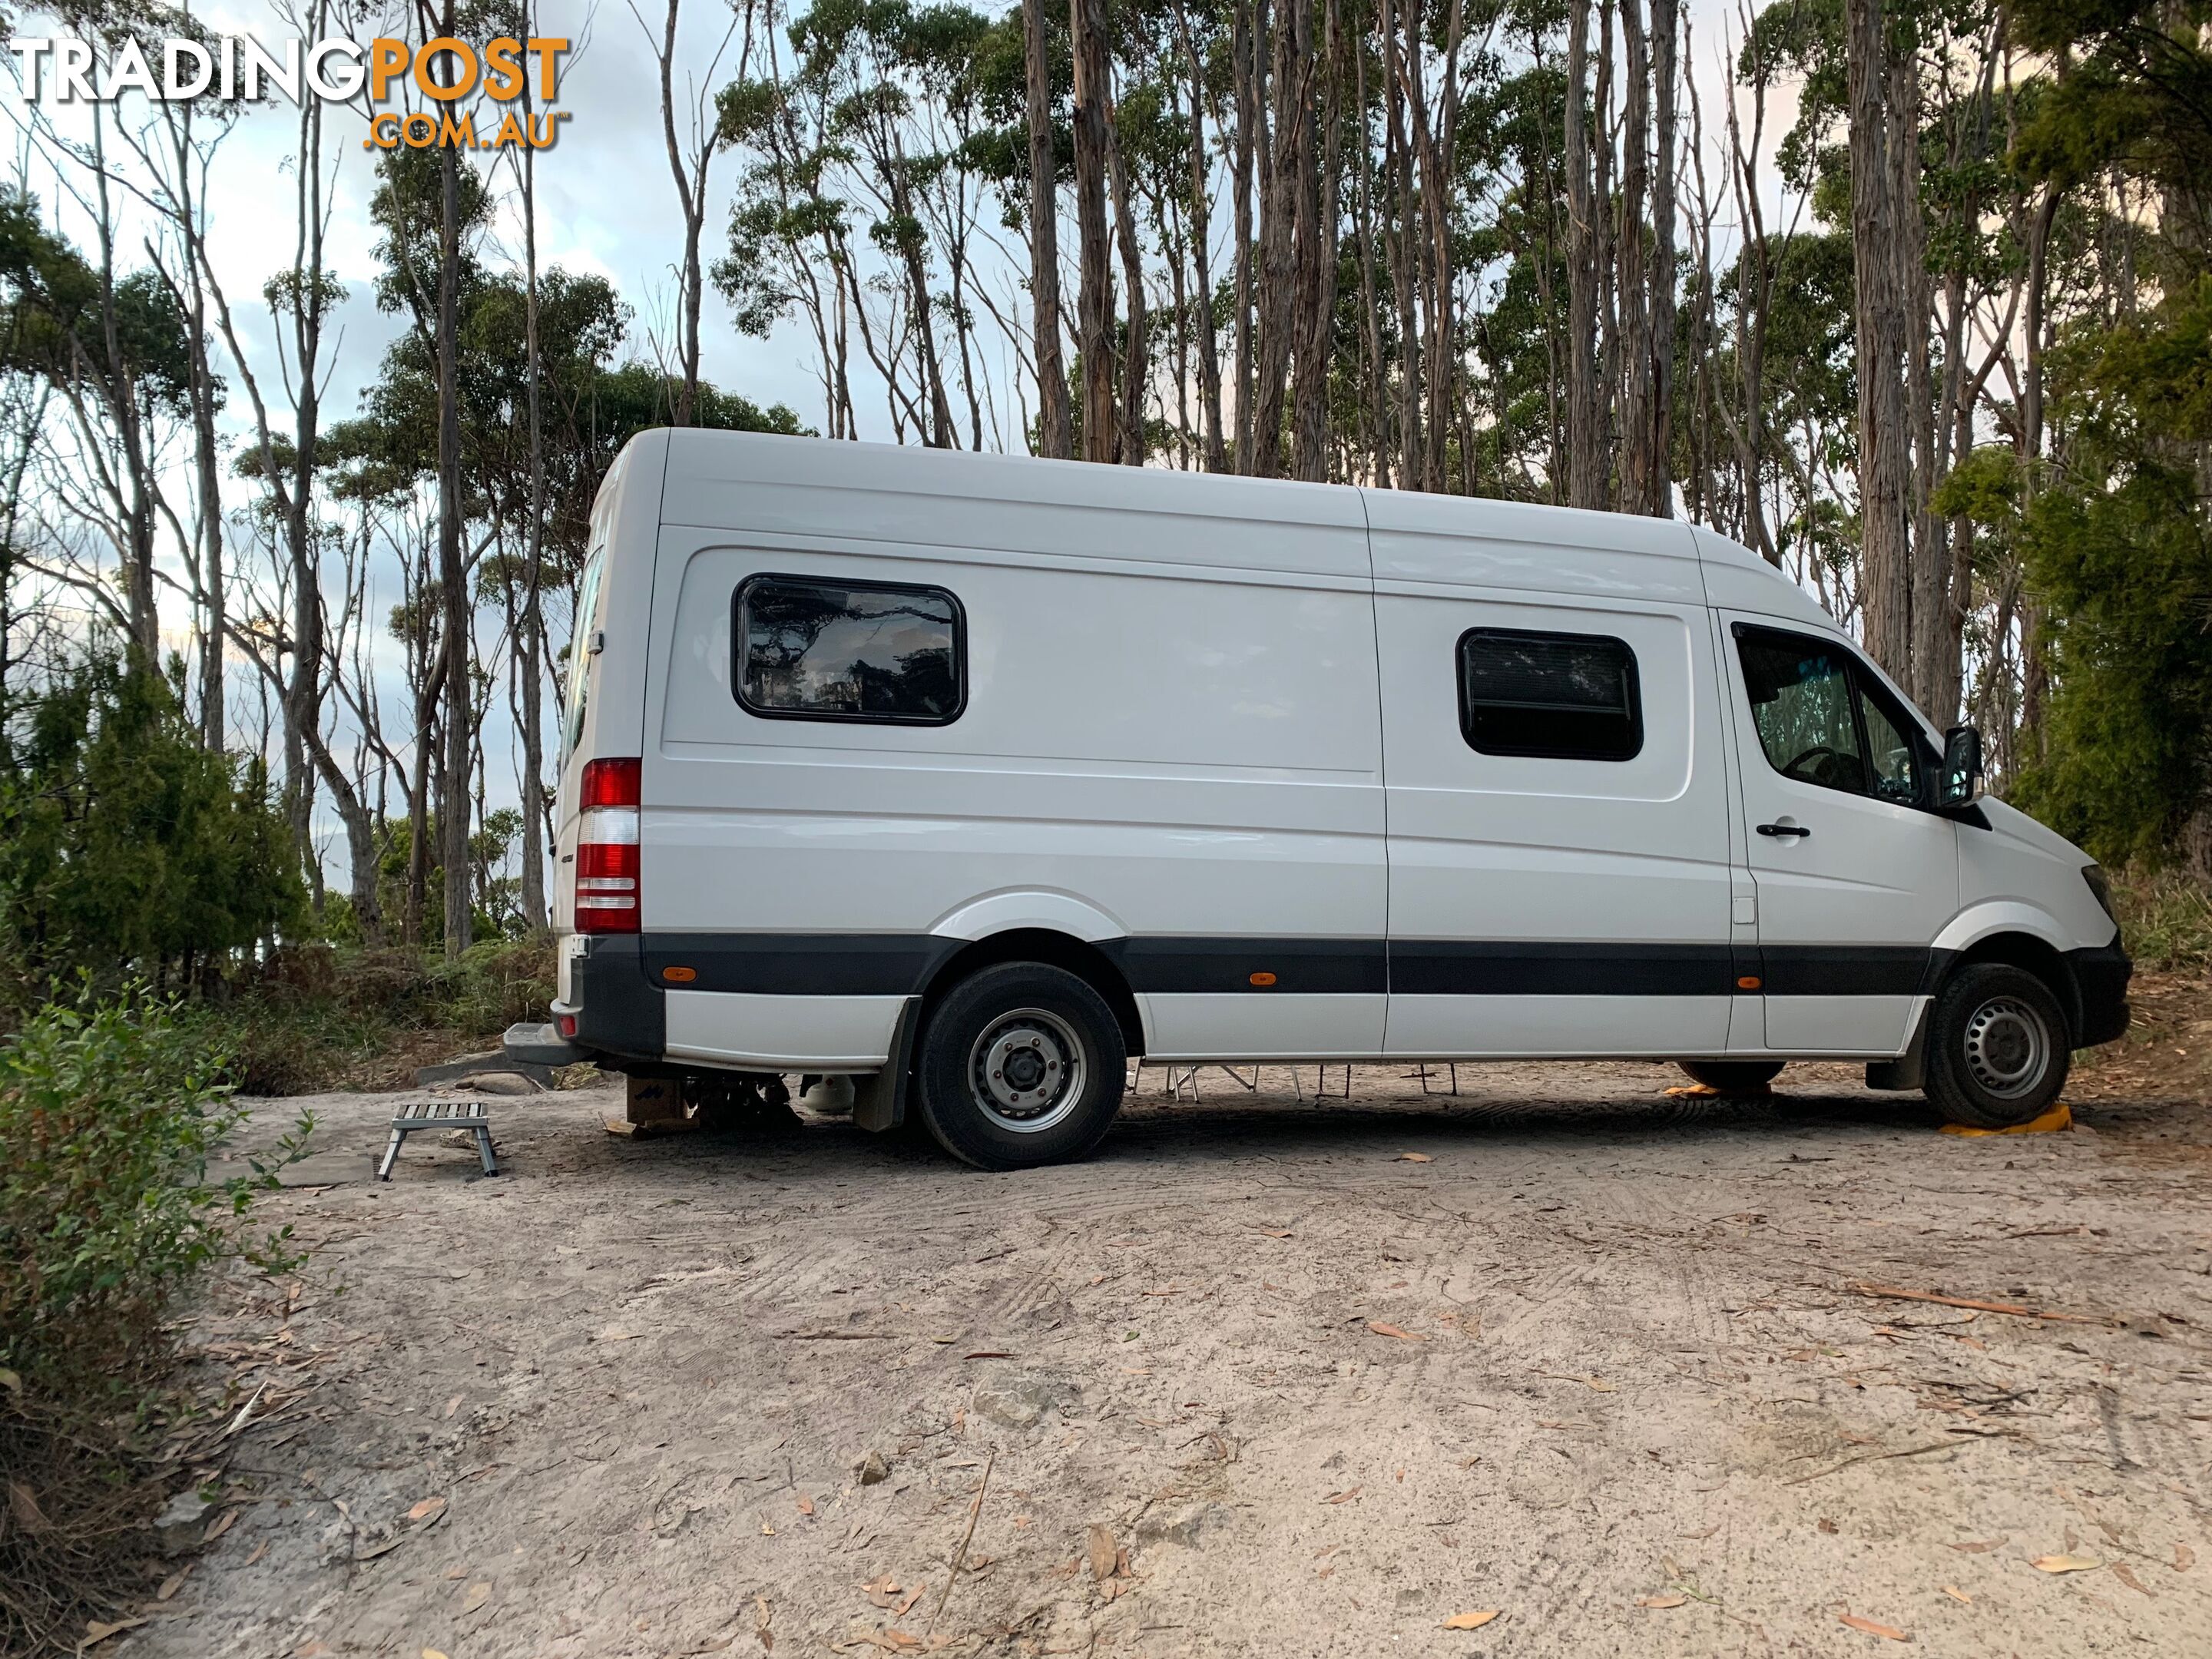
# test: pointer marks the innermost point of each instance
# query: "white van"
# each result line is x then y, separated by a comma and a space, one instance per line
974, 776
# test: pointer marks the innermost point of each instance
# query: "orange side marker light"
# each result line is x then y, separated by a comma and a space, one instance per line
679, 975
1747, 982
1263, 979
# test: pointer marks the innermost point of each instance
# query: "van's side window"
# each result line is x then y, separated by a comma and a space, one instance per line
1822, 719
809, 649
1567, 696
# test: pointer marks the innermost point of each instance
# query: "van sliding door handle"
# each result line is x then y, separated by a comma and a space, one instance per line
1783, 829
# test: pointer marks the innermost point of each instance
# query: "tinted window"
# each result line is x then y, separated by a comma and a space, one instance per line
1823, 720
810, 649
1800, 700
579, 649
1893, 756
1569, 696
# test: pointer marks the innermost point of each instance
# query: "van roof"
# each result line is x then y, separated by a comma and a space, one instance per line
915, 495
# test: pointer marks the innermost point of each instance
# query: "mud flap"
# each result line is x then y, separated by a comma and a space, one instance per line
880, 1097
1909, 1070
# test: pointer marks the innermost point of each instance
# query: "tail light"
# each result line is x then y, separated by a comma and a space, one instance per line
607, 890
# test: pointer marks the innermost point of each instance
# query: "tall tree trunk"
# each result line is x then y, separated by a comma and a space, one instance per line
453, 576
1404, 260
1245, 48
1056, 424
1927, 580
1318, 180
1287, 155
1095, 297
1659, 493
1216, 451
690, 199
1373, 376
1636, 461
1885, 435
1136, 364
1587, 470
530, 646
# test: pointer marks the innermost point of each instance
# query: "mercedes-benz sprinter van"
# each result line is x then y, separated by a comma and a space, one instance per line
975, 776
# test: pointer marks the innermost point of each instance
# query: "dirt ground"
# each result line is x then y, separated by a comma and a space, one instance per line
1263, 1377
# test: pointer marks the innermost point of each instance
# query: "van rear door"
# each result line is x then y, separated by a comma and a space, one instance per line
1855, 879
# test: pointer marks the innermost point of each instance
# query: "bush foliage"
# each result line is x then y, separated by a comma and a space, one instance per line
109, 1110
126, 848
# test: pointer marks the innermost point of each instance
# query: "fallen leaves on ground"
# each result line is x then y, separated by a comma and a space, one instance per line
2125, 1574
479, 1592
1381, 1328
1958, 1595
1277, 1232
2183, 1558
1980, 1547
1416, 1157
97, 1632
1099, 1550
1888, 1632
806, 1504
429, 1509
2066, 1564
1671, 1600
1344, 1496
1474, 1620
1595, 1384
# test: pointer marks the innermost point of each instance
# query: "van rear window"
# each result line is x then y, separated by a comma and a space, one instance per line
811, 649
1565, 696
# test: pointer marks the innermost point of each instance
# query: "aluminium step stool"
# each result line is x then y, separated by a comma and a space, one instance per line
419, 1114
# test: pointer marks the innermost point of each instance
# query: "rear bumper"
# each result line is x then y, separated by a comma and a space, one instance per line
2100, 982
621, 1015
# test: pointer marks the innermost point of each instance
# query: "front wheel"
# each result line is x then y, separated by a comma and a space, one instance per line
1733, 1077
1998, 1048
1021, 1064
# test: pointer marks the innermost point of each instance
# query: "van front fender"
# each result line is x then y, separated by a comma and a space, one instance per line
1987, 919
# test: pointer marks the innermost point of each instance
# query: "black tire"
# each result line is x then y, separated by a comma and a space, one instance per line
1064, 1070
1733, 1077
1998, 1048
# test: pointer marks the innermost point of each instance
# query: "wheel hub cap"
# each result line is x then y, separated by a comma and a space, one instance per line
2008, 1048
1026, 1070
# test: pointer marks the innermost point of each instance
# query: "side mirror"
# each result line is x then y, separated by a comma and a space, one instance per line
1960, 780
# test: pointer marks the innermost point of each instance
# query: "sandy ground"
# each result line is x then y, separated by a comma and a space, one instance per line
1263, 1377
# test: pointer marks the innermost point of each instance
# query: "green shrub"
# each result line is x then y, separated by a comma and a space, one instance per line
126, 849
108, 1112
318, 1016
2166, 917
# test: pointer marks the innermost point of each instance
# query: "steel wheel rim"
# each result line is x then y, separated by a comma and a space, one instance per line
2007, 1047
1026, 1071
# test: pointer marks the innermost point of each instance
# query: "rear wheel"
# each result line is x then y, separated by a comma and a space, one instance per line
1998, 1048
1733, 1077
1021, 1064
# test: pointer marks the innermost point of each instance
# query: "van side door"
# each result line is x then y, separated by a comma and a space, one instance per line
1855, 876
1557, 825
